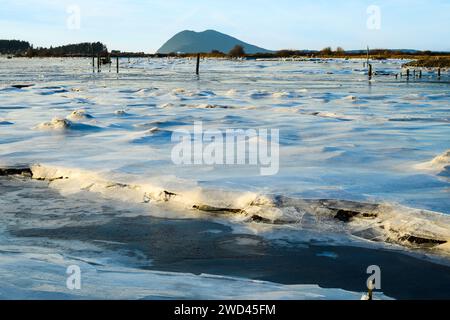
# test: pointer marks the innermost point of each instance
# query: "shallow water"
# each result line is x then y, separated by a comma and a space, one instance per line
341, 136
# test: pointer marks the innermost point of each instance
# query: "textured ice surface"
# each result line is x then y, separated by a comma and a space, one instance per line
49, 273
341, 137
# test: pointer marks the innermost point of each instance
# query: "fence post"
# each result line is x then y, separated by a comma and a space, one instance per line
197, 69
368, 55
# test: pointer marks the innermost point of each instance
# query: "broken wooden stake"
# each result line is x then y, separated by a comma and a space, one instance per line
368, 55
197, 70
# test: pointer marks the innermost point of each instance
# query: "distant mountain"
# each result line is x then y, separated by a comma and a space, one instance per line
206, 41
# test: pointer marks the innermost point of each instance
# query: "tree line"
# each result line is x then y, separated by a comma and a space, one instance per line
87, 49
25, 49
14, 46
328, 52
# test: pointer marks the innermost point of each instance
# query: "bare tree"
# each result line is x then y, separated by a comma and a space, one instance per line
237, 51
326, 51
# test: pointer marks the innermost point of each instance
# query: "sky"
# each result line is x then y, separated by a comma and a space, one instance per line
144, 25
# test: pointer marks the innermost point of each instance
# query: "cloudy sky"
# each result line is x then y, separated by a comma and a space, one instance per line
144, 25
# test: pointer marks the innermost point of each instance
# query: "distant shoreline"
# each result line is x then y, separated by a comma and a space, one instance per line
16, 48
414, 61
373, 55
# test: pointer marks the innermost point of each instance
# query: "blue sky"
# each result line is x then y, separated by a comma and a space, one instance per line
144, 25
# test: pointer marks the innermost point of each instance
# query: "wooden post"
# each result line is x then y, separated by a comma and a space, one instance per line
370, 71
197, 70
370, 287
420, 74
439, 73
414, 73
407, 74
370, 295
117, 61
98, 63
368, 55
93, 58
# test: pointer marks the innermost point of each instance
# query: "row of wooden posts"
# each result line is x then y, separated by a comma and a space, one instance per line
197, 69
415, 74
418, 74
99, 63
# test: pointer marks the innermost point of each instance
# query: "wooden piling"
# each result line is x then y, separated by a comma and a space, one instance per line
370, 294
420, 74
439, 73
98, 63
197, 69
117, 62
93, 63
368, 55
370, 288
407, 73
370, 71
